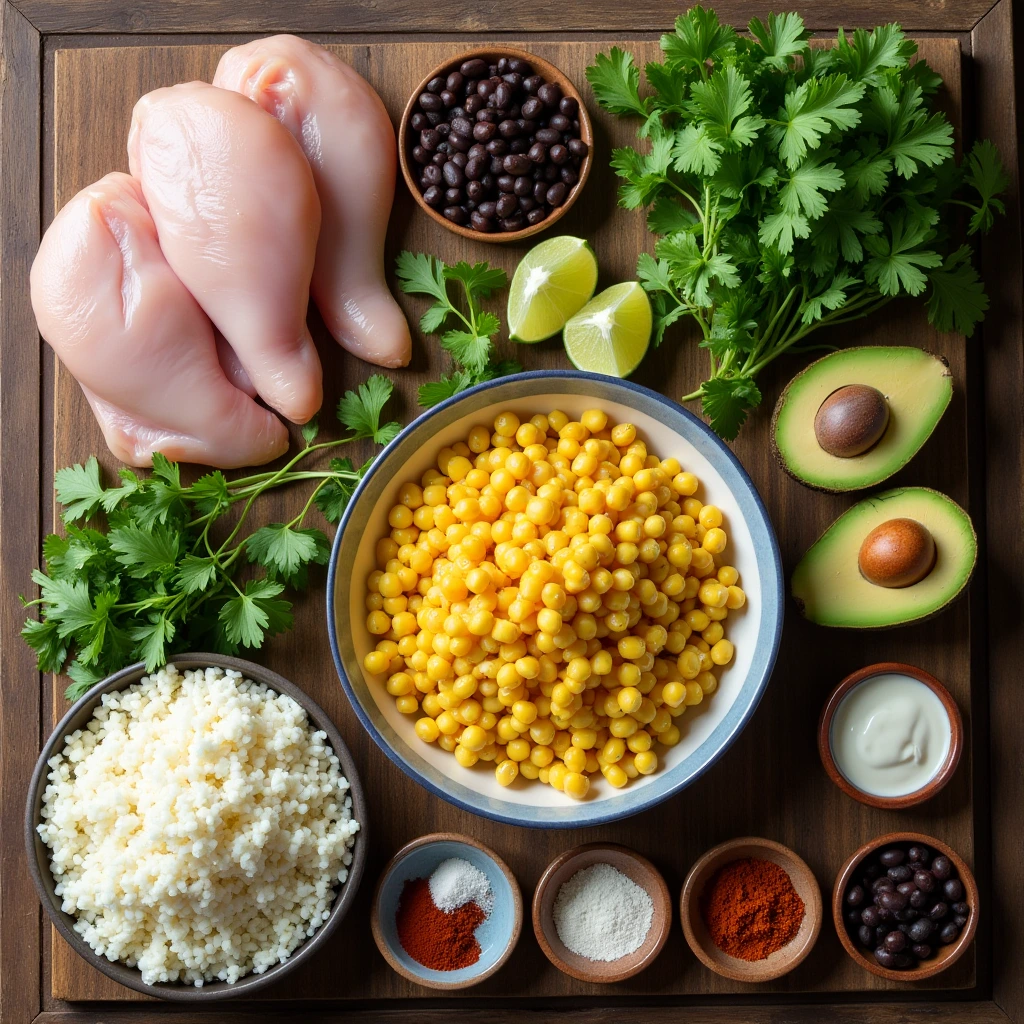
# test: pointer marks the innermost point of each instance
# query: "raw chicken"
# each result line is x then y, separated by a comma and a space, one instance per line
237, 214
139, 344
348, 139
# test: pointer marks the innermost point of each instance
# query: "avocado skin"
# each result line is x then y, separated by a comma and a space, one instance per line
780, 404
911, 619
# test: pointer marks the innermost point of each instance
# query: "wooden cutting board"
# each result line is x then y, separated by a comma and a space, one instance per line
771, 782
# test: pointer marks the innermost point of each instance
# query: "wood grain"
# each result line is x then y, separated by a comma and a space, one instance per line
20, 694
792, 800
450, 16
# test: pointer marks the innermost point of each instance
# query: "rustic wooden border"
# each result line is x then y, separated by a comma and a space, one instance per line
24, 26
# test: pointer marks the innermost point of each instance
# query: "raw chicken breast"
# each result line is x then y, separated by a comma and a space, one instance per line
348, 139
237, 214
142, 349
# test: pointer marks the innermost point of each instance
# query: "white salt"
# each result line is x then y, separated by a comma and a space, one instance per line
602, 914
455, 882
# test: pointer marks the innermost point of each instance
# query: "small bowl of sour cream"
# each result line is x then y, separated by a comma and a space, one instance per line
890, 735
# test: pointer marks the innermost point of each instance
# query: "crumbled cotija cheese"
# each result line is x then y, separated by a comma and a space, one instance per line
197, 826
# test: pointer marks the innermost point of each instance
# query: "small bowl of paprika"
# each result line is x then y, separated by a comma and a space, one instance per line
751, 909
447, 912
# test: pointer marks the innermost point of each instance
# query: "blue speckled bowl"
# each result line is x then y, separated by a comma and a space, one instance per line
756, 630
497, 935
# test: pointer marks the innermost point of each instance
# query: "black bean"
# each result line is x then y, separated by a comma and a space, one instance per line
439, 159
886, 900
523, 185
473, 105
453, 174
866, 936
475, 191
508, 129
942, 868
502, 65
457, 112
892, 856
531, 83
569, 176
559, 123
506, 183
497, 147
900, 873
919, 854
921, 950
428, 101
435, 85
488, 209
492, 70
517, 163
432, 175
540, 191
430, 139
475, 169
497, 165
538, 153
548, 136
456, 214
885, 914
532, 108
883, 884
917, 899
953, 890
578, 148
960, 907
418, 122
507, 205
895, 942
481, 223
550, 173
519, 66
474, 68
515, 223
855, 896
950, 933
488, 116
536, 216
960, 920
420, 155
908, 913
485, 88
527, 203
558, 154
461, 125
454, 81
435, 118
433, 196
503, 94
549, 94
569, 106
444, 129
488, 181
460, 142
938, 911
884, 957
907, 889
449, 99
921, 929
453, 195
924, 880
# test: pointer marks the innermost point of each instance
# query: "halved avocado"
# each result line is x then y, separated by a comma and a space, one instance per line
828, 585
916, 385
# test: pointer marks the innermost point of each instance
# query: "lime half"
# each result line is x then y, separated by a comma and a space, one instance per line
553, 280
610, 334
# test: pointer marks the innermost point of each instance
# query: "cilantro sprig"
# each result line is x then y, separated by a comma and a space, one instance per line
161, 566
470, 343
793, 189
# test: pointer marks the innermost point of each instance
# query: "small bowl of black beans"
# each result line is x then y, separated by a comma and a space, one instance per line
495, 144
905, 906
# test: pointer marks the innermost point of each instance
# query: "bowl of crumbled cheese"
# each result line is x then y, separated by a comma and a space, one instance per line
197, 831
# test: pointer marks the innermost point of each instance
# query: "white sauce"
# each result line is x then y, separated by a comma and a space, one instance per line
890, 735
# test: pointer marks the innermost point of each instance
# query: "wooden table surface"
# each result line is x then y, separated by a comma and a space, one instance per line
771, 783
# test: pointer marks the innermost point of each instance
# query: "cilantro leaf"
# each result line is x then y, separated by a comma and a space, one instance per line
667, 216
420, 274
151, 640
833, 296
695, 151
803, 187
210, 492
81, 492
286, 549
721, 101
781, 40
436, 391
811, 111
896, 260
196, 573
472, 350
480, 279
692, 270
985, 174
43, 636
726, 401
871, 54
616, 83
699, 37
912, 136
145, 552
249, 616
957, 300
360, 410
83, 679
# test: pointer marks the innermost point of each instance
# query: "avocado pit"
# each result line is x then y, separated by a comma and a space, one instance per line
851, 420
897, 553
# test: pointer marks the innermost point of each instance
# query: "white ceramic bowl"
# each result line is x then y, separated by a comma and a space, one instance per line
669, 430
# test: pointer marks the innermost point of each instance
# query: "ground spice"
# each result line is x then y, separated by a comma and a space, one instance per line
751, 908
440, 941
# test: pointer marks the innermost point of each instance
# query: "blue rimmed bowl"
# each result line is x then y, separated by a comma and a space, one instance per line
669, 430
497, 934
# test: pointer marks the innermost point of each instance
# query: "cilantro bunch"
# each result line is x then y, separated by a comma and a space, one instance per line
470, 343
793, 189
165, 570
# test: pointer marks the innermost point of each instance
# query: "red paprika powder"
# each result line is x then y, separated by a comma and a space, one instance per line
751, 908
440, 941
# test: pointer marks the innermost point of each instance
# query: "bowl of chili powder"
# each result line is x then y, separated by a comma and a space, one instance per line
455, 944
751, 909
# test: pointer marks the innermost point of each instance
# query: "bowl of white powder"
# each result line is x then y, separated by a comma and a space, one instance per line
196, 832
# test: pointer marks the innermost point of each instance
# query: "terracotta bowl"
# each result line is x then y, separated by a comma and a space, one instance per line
782, 961
945, 955
941, 777
497, 935
541, 67
39, 855
635, 867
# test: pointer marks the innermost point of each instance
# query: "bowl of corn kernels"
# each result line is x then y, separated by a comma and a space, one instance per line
555, 599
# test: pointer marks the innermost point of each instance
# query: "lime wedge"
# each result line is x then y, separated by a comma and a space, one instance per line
610, 334
553, 280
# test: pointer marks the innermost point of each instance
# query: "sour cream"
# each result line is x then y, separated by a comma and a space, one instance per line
890, 735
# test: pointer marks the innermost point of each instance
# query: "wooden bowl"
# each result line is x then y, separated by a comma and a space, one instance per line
497, 935
941, 777
945, 955
550, 74
782, 961
635, 867
39, 855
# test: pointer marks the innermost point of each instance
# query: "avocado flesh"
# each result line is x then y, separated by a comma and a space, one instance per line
828, 585
917, 386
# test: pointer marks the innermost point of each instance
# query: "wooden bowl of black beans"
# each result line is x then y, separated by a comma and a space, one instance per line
905, 906
495, 144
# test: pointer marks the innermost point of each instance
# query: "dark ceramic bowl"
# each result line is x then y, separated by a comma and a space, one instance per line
944, 955
39, 854
541, 67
